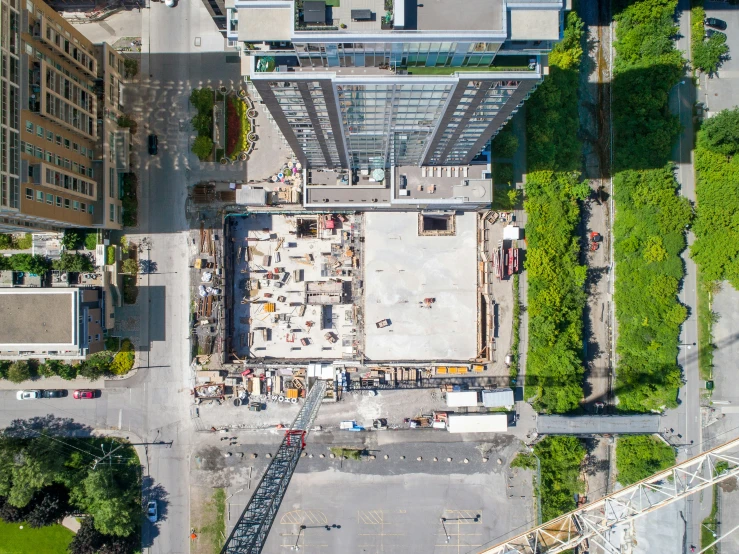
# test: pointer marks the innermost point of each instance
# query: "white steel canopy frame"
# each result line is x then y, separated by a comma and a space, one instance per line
592, 523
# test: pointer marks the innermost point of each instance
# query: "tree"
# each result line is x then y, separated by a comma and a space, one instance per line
113, 503
505, 144
10, 513
67, 371
130, 68
202, 99
130, 266
95, 366
709, 54
88, 540
36, 264
78, 263
72, 239
52, 504
202, 147
720, 133
91, 240
639, 457
19, 371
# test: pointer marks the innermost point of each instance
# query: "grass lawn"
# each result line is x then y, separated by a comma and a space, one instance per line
49, 540
333, 3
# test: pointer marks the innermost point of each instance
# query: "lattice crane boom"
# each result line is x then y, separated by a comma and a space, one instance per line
250, 532
593, 523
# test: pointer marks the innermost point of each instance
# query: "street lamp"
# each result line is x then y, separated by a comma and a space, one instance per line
443, 520
296, 547
710, 530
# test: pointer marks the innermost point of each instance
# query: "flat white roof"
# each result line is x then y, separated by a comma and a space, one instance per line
258, 23
477, 423
401, 270
534, 24
460, 399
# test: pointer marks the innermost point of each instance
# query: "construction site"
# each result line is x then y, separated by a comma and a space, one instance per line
374, 287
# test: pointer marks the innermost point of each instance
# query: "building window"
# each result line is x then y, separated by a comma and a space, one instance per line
76, 206
59, 140
89, 209
40, 153
29, 194
49, 199
39, 130
39, 196
59, 160
58, 201
75, 147
49, 136
66, 203
29, 126
49, 157
83, 207
67, 143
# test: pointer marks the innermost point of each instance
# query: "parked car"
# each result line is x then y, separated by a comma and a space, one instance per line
716, 23
84, 394
153, 145
151, 511
28, 394
711, 32
53, 393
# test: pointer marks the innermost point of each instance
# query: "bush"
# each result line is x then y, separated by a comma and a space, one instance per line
646, 67
19, 371
552, 119
560, 458
124, 359
110, 255
556, 297
79, 263
11, 242
720, 133
202, 147
130, 290
130, 266
649, 236
505, 143
130, 201
524, 460
641, 456
91, 241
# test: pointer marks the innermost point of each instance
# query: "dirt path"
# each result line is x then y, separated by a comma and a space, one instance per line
595, 118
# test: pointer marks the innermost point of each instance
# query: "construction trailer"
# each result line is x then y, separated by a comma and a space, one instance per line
477, 423
461, 399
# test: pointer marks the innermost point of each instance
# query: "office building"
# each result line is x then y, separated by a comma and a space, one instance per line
376, 84
63, 154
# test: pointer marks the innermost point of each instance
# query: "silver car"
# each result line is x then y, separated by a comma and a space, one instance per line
28, 394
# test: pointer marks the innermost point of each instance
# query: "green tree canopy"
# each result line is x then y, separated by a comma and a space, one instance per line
202, 147
720, 133
639, 457
709, 54
19, 371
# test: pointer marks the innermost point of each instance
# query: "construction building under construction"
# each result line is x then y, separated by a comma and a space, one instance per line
369, 287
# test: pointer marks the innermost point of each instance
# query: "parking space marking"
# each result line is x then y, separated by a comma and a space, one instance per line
299, 517
452, 533
382, 522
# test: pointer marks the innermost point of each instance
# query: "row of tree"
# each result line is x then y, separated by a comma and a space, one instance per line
39, 265
44, 478
96, 366
651, 217
556, 298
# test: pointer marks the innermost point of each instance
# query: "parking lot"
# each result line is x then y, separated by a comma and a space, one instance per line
721, 91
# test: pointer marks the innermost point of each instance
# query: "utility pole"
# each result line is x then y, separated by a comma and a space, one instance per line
108, 455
